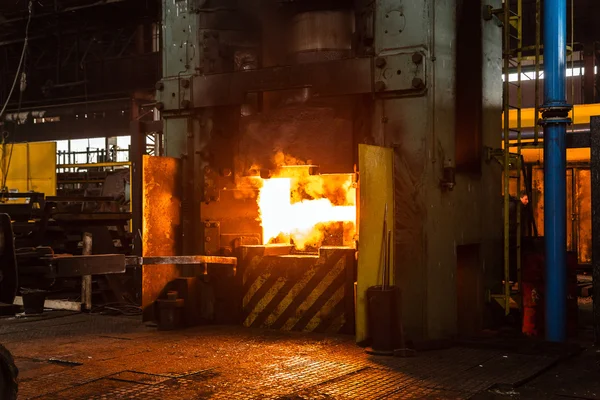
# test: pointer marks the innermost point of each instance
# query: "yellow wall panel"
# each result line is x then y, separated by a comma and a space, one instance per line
376, 180
32, 167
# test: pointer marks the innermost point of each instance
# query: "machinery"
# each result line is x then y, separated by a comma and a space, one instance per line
291, 127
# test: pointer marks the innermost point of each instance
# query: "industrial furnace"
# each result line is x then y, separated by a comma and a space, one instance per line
300, 128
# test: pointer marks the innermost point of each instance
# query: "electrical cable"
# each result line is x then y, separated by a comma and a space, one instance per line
12, 147
127, 309
18, 77
18, 74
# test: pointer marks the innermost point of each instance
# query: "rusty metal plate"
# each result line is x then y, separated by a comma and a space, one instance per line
99, 264
573, 214
583, 200
161, 205
537, 200
399, 74
579, 211
161, 234
212, 238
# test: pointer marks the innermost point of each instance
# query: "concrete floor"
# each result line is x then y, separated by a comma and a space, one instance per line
575, 378
76, 356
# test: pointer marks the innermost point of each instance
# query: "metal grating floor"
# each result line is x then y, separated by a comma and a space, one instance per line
99, 357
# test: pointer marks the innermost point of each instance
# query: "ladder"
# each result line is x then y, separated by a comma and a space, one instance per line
512, 15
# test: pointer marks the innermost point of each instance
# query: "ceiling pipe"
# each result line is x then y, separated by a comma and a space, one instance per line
555, 116
529, 133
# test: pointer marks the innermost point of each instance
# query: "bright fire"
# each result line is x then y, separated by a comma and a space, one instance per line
307, 210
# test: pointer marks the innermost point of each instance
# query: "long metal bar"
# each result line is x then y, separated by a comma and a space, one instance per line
527, 133
86, 280
506, 107
555, 116
572, 55
538, 42
96, 165
519, 126
189, 260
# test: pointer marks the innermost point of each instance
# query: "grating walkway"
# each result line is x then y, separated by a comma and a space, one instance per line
73, 357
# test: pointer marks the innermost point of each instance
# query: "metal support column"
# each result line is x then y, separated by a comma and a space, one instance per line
513, 59
86, 280
589, 77
555, 114
595, 171
138, 149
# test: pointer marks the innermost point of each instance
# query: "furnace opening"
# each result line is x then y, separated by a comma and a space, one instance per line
307, 211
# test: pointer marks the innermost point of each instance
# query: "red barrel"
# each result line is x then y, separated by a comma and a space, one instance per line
532, 281
572, 294
534, 288
533, 311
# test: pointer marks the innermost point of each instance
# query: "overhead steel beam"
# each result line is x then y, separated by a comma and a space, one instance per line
340, 77
71, 129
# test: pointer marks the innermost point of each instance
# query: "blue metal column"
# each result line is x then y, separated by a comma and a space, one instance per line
555, 112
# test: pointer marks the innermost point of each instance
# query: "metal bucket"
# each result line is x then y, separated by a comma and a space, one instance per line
384, 307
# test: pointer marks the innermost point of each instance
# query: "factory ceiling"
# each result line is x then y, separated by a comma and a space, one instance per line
78, 49
585, 26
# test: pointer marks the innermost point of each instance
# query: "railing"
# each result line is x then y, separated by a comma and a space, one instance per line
72, 159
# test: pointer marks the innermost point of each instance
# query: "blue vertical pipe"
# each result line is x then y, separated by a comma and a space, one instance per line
555, 120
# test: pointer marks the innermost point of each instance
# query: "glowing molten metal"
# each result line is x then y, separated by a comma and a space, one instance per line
307, 209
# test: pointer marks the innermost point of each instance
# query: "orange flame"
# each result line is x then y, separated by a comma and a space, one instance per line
305, 209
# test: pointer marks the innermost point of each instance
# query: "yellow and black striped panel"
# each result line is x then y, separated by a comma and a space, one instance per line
298, 292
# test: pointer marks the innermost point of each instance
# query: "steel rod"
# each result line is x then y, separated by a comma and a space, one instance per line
538, 40
595, 184
555, 117
506, 162
86, 280
388, 258
187, 260
385, 250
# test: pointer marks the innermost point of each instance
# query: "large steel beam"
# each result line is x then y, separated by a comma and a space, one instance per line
397, 75
555, 116
71, 129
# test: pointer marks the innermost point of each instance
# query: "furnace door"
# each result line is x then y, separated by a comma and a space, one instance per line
376, 166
